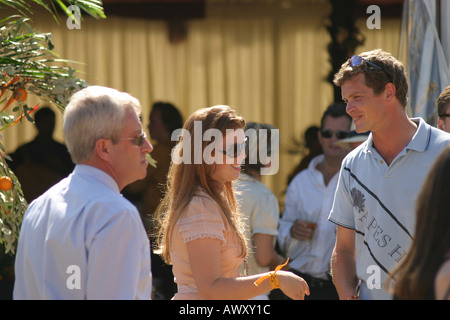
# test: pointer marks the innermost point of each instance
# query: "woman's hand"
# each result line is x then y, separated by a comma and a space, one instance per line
292, 285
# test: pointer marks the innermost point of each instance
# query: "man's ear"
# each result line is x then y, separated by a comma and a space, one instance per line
102, 148
440, 123
390, 91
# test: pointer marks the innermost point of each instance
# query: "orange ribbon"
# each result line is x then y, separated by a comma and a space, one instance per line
273, 277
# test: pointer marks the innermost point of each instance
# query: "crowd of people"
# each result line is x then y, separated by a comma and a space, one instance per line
365, 217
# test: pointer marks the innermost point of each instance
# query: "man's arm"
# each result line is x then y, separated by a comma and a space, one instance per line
119, 259
343, 264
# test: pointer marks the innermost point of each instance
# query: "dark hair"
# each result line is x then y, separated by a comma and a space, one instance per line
443, 100
391, 71
336, 110
43, 113
170, 115
310, 137
415, 274
255, 148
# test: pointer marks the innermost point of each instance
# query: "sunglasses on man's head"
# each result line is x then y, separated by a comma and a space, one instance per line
138, 140
444, 115
339, 134
235, 150
357, 60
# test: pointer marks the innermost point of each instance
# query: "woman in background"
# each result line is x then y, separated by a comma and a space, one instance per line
258, 204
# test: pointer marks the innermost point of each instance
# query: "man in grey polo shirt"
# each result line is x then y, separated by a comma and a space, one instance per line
380, 180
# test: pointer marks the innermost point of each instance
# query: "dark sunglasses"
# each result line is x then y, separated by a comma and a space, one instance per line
357, 60
235, 150
444, 115
339, 134
139, 140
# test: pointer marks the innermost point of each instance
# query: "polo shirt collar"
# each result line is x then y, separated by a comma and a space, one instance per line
419, 141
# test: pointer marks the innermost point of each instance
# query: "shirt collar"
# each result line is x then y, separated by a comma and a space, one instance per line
419, 141
96, 174
314, 162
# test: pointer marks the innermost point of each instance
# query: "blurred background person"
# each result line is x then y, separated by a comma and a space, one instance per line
354, 139
147, 193
258, 204
305, 234
42, 162
314, 149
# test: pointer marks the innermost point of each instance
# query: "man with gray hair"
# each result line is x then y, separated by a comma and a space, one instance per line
81, 239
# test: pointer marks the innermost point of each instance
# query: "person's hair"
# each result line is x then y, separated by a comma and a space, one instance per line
184, 179
311, 138
335, 110
253, 147
414, 275
95, 112
43, 114
45, 120
443, 100
170, 115
376, 79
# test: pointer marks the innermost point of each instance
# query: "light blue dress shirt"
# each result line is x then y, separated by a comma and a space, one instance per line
83, 240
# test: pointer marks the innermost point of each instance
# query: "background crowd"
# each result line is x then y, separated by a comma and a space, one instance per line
370, 193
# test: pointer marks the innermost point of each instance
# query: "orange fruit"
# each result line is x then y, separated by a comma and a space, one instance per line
5, 183
20, 94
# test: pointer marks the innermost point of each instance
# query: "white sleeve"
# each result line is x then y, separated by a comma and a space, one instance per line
342, 210
119, 260
290, 214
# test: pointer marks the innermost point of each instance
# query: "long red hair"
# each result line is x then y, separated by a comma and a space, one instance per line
184, 179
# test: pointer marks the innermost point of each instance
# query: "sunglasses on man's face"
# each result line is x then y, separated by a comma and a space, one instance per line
138, 140
235, 150
339, 134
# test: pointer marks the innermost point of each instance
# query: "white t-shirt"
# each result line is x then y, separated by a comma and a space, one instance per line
260, 211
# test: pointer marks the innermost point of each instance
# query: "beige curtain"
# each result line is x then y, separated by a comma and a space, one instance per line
270, 65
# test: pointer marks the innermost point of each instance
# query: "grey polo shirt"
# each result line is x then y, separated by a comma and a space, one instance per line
378, 202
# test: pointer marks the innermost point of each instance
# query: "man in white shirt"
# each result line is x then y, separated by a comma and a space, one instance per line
309, 199
82, 239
